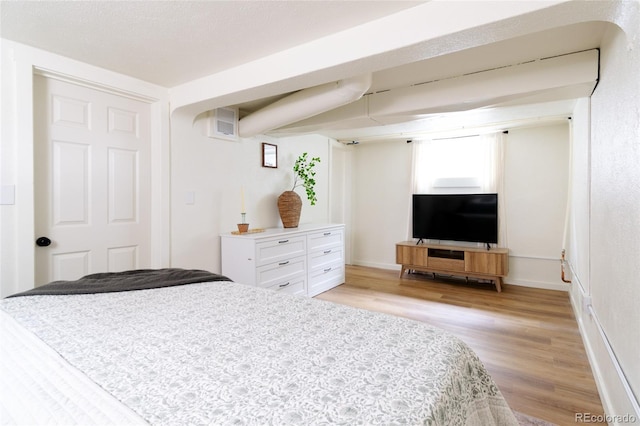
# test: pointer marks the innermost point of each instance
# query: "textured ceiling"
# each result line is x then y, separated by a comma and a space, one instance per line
172, 42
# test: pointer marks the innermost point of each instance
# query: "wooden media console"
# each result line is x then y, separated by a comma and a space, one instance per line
475, 262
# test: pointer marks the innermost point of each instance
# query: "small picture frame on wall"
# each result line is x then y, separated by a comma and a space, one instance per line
269, 155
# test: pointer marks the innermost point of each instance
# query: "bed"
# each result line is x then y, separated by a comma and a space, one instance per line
168, 352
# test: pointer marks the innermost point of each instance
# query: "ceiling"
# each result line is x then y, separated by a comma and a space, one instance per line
170, 43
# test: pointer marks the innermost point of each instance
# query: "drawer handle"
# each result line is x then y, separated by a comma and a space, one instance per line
284, 285
283, 263
327, 251
327, 270
283, 241
327, 233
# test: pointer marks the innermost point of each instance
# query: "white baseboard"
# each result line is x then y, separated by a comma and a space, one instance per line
619, 408
389, 266
537, 284
519, 282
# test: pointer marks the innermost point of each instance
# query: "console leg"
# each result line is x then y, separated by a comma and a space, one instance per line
499, 284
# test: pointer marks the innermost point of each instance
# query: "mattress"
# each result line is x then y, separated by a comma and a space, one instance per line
227, 353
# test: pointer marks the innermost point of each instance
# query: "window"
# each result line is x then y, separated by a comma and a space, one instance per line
458, 165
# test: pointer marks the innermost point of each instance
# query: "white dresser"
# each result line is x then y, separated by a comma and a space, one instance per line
306, 260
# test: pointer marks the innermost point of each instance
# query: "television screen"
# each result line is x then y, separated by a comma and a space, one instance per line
456, 217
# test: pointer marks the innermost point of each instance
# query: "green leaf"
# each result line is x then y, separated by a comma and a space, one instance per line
304, 171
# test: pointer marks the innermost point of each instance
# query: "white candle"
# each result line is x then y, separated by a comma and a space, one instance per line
242, 210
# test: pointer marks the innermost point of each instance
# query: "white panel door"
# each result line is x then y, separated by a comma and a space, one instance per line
92, 181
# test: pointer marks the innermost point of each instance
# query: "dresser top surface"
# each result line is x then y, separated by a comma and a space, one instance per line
272, 232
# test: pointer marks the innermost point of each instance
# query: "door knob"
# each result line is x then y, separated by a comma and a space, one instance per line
43, 242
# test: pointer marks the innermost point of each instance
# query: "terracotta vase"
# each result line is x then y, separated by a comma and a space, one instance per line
289, 206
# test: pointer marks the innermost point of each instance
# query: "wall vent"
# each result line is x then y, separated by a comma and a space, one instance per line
223, 123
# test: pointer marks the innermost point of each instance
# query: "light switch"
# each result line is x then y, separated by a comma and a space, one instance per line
190, 197
7, 195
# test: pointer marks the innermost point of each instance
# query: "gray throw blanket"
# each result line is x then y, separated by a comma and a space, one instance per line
139, 279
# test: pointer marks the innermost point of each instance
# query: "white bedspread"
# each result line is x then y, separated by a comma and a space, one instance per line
38, 387
224, 353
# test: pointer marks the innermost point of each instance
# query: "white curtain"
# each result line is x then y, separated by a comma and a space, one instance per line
422, 173
495, 179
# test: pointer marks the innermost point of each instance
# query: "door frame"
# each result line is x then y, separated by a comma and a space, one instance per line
28, 62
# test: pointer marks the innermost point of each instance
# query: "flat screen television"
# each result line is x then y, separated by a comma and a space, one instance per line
456, 217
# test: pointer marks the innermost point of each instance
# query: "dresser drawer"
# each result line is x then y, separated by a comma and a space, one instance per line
296, 285
325, 239
279, 249
324, 257
281, 271
326, 269
325, 277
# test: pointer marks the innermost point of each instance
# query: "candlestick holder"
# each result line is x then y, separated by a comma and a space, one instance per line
244, 226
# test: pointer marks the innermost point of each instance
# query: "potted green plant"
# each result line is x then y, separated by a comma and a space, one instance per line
289, 202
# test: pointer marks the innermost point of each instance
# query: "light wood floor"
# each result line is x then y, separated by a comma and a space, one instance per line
527, 338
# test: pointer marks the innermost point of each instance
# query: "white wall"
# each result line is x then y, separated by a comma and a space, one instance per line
536, 170
381, 201
612, 211
341, 209
578, 239
536, 174
216, 171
